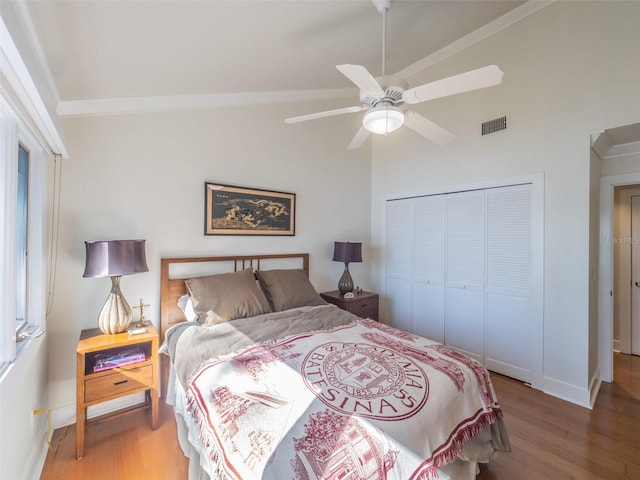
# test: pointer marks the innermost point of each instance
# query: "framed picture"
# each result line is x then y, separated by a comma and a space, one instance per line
233, 210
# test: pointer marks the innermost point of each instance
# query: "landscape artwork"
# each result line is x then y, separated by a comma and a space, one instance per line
233, 210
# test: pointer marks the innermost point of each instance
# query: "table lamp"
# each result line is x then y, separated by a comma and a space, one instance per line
346, 252
114, 258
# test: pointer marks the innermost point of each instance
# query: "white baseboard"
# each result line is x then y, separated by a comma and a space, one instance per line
594, 387
38, 455
566, 391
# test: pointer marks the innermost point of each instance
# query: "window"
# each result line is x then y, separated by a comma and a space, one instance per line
23, 190
21, 231
28, 137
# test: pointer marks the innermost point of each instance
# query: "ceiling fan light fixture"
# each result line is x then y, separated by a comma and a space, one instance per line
383, 120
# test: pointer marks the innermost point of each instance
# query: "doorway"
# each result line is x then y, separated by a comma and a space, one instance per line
635, 276
619, 152
626, 268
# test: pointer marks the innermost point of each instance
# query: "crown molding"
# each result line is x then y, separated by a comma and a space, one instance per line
623, 150
132, 105
18, 78
34, 42
601, 143
606, 149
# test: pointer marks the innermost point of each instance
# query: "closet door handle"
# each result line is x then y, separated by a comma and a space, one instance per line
637, 284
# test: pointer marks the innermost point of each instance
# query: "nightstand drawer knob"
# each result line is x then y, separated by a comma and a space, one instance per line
121, 382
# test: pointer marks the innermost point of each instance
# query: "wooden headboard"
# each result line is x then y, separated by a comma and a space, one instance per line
175, 270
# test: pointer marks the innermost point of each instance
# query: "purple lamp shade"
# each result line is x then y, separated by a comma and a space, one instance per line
112, 258
347, 252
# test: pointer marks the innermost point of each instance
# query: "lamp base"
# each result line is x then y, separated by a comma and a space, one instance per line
345, 284
115, 315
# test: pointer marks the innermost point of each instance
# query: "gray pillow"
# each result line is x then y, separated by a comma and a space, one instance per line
287, 289
226, 296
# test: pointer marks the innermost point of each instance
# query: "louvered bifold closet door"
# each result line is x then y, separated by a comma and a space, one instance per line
465, 273
399, 262
509, 281
428, 266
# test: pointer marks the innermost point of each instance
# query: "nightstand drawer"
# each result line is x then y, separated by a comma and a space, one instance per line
363, 304
364, 307
371, 313
118, 382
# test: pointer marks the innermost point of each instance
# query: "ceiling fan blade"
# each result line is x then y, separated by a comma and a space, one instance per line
328, 113
362, 78
359, 139
472, 80
427, 128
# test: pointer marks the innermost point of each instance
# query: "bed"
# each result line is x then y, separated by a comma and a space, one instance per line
269, 381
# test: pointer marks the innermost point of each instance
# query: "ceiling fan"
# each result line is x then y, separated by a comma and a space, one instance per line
383, 97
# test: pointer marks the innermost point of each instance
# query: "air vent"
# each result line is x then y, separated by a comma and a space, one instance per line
495, 125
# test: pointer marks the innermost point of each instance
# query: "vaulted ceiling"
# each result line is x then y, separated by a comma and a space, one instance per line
101, 50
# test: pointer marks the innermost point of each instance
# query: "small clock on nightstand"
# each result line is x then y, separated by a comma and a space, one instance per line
363, 304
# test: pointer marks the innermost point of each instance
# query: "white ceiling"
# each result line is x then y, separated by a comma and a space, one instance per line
104, 49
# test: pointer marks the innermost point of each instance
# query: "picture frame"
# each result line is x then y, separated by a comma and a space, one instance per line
234, 210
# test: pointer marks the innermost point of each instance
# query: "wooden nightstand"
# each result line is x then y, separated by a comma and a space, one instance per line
99, 386
364, 304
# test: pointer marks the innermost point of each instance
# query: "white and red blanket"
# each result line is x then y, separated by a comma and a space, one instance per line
361, 401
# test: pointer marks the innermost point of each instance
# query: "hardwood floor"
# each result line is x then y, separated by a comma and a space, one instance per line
551, 439
121, 447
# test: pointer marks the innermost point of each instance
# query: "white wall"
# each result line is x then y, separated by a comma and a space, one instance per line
23, 389
142, 176
571, 69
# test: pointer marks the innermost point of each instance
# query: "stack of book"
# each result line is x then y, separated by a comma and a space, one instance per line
122, 358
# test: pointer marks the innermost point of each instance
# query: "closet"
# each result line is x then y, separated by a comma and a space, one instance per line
458, 270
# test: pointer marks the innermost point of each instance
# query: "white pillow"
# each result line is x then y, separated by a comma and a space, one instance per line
186, 305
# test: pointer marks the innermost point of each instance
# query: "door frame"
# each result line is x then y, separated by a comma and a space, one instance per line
627, 330
537, 253
622, 268
606, 266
